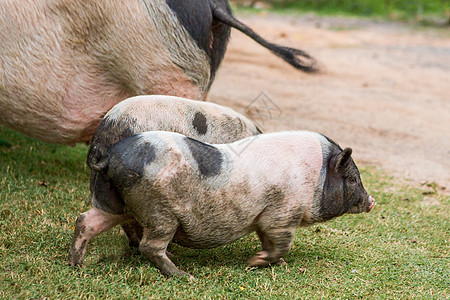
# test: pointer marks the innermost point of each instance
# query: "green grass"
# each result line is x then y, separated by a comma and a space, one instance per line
420, 10
398, 251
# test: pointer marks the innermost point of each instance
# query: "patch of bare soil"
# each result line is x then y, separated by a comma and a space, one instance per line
384, 89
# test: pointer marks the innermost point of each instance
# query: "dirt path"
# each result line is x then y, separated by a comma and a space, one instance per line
384, 89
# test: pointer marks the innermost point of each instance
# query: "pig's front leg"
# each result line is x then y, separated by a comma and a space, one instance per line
88, 225
134, 232
154, 246
275, 244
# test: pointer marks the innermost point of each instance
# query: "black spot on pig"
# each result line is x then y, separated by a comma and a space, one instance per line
134, 155
106, 196
129, 158
208, 158
210, 35
199, 123
196, 17
126, 132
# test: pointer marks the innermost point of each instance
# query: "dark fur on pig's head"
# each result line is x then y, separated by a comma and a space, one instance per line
341, 189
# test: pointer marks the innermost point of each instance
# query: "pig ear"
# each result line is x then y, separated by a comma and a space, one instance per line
342, 159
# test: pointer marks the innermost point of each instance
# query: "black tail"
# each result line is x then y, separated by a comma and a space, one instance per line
295, 57
98, 158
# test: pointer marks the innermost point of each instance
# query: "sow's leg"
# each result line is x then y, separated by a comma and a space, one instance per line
154, 244
88, 225
275, 244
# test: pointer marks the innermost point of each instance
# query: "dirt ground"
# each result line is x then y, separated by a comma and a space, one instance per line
384, 89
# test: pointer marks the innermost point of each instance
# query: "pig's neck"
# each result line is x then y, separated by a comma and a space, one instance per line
328, 148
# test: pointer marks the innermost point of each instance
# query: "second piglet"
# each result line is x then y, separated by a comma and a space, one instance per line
203, 121
202, 196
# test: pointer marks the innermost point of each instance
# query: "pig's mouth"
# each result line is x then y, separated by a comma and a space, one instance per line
371, 203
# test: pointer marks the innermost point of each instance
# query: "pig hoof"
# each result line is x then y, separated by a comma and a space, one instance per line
74, 260
280, 262
259, 260
183, 274
74, 263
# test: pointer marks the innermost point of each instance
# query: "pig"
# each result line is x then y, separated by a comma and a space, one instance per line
203, 195
203, 121
64, 63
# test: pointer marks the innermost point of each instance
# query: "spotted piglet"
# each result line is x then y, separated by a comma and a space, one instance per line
206, 122
203, 196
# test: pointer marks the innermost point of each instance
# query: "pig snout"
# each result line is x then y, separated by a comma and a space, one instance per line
371, 203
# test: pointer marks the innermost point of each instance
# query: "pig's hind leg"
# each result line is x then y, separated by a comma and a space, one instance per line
87, 226
275, 244
154, 244
133, 231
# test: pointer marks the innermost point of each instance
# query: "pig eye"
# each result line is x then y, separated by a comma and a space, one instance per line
352, 179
